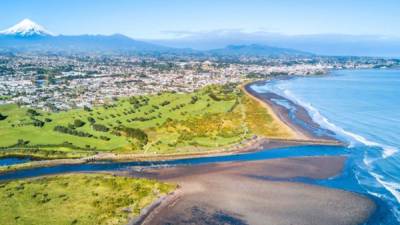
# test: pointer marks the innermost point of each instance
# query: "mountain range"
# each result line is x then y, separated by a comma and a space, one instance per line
319, 44
30, 36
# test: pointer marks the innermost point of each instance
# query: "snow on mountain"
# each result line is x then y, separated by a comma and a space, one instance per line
26, 28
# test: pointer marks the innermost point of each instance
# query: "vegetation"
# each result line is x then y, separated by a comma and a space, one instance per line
77, 199
215, 116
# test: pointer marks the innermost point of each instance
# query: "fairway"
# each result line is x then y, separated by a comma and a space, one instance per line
213, 117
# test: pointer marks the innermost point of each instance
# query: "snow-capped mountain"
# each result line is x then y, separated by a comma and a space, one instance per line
26, 28
30, 36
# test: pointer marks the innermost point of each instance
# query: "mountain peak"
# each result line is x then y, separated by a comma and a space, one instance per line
26, 28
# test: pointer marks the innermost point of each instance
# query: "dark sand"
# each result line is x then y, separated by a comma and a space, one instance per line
257, 192
283, 114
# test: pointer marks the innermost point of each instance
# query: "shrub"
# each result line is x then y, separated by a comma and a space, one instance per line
3, 117
79, 123
91, 120
100, 127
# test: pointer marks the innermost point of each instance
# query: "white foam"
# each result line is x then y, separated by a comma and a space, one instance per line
351, 137
354, 139
392, 187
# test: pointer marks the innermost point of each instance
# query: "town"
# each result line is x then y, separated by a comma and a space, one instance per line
59, 82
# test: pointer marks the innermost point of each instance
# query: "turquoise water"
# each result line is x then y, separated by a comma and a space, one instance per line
362, 107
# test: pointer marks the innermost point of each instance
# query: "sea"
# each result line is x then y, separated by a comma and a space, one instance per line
362, 108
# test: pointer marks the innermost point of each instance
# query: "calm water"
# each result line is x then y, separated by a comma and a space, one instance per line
12, 160
363, 108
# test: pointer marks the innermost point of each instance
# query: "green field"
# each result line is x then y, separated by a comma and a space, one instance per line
212, 117
77, 199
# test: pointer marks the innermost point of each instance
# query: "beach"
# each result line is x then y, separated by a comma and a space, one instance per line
260, 192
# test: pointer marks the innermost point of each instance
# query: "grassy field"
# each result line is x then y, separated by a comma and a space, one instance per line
212, 117
77, 199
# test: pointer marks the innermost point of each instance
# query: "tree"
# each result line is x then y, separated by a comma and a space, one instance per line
3, 117
79, 123
100, 127
91, 120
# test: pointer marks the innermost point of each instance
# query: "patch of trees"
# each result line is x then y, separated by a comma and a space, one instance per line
87, 108
3, 117
78, 123
194, 100
100, 127
142, 119
104, 138
164, 103
133, 100
91, 120
178, 106
135, 133
37, 123
68, 130
214, 97
32, 112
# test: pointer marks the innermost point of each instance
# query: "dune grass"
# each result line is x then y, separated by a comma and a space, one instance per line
77, 199
212, 117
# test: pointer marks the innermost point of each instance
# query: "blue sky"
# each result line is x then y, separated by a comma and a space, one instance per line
155, 19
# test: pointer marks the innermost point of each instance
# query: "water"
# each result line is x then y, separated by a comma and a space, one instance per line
362, 108
107, 166
12, 161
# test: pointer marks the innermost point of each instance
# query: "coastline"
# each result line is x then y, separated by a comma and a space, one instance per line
282, 114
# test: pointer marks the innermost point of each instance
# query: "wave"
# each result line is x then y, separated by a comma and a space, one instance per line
353, 138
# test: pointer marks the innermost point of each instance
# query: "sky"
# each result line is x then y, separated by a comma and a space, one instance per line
163, 19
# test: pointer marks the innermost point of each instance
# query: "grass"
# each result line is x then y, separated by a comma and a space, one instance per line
77, 199
214, 116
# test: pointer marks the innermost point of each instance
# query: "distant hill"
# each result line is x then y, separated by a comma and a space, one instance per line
28, 36
81, 43
256, 50
320, 44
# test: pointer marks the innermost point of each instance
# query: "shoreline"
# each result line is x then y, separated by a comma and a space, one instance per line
283, 114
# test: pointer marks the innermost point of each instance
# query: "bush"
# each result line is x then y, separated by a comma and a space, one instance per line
67, 130
32, 112
37, 123
79, 123
100, 127
164, 103
135, 133
3, 117
91, 120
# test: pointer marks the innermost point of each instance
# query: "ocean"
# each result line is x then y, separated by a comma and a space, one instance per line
362, 108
